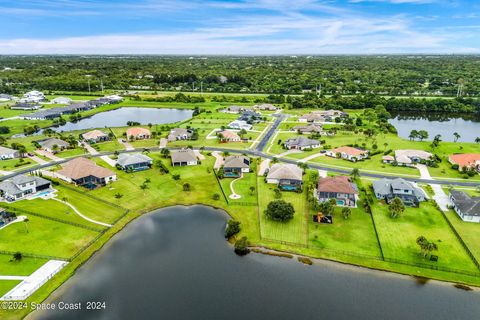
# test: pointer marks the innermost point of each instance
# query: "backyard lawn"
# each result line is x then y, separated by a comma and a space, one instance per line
24, 267
242, 188
7, 285
44, 237
295, 230
468, 231
398, 236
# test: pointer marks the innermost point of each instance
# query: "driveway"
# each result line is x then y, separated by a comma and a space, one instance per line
38, 160
218, 159
48, 155
263, 166
109, 160
424, 173
127, 145
89, 148
313, 156
440, 197
163, 143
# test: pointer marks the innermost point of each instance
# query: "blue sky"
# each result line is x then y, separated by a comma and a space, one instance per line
239, 27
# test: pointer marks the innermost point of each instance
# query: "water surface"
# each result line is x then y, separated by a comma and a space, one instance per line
445, 124
120, 117
175, 264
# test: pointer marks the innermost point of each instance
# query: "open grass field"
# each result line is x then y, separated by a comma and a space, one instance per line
44, 237
7, 285
468, 231
295, 230
398, 236
15, 164
53, 209
242, 188
91, 207
24, 267
355, 234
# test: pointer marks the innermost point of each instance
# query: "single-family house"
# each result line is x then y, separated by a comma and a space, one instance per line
467, 208
131, 162
322, 116
301, 143
6, 97
7, 153
348, 153
250, 117
470, 161
239, 125
309, 129
266, 107
61, 100
388, 189
340, 188
53, 145
180, 134
85, 173
184, 157
114, 98
21, 186
287, 176
410, 157
26, 106
33, 96
234, 166
234, 109
228, 136
94, 136
388, 159
138, 133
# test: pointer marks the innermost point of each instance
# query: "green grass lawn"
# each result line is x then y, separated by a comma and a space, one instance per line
68, 153
44, 237
15, 164
91, 207
54, 209
108, 146
355, 234
295, 230
469, 231
24, 267
7, 285
242, 187
398, 236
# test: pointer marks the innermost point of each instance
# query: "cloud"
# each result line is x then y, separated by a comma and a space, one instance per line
398, 1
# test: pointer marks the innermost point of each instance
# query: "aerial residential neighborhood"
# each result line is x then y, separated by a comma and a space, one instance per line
247, 159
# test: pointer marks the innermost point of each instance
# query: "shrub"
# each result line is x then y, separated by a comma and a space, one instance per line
216, 196
176, 177
233, 227
241, 246
279, 210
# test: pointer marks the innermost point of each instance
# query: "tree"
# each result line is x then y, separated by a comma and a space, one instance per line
426, 247
278, 193
165, 152
118, 195
355, 173
346, 211
25, 223
396, 207
242, 132
241, 246
17, 256
252, 190
436, 141
216, 196
327, 207
186, 187
279, 210
413, 135
422, 134
233, 227
456, 136
477, 140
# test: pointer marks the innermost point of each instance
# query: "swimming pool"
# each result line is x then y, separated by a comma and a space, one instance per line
340, 202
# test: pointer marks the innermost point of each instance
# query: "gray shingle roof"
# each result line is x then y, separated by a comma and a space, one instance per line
185, 155
4, 150
466, 204
301, 142
49, 143
125, 159
237, 162
285, 171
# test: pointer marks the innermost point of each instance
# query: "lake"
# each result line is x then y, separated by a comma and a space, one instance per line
468, 125
175, 264
119, 118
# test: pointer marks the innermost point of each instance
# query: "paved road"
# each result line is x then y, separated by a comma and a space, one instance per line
257, 153
261, 145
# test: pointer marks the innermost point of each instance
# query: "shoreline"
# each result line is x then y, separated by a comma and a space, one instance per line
350, 267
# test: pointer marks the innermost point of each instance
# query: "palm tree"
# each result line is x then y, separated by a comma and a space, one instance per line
26, 224
456, 136
396, 207
346, 211
252, 190
477, 140
355, 173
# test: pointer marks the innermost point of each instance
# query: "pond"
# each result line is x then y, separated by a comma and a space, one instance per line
175, 264
120, 117
445, 124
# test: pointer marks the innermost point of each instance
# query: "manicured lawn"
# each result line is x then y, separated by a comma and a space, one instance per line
242, 188
7, 285
24, 267
71, 153
15, 164
91, 207
398, 236
54, 209
355, 234
295, 230
108, 146
44, 237
469, 231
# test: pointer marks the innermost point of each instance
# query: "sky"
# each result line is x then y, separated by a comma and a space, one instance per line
239, 27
